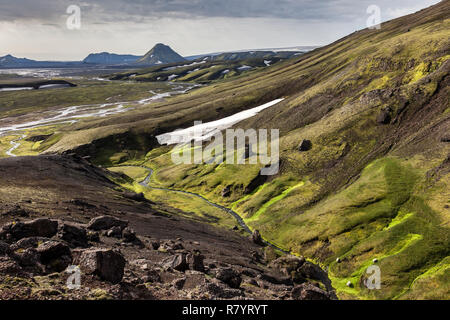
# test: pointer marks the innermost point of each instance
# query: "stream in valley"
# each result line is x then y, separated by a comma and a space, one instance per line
72, 114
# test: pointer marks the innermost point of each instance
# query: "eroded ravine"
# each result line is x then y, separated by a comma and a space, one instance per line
146, 183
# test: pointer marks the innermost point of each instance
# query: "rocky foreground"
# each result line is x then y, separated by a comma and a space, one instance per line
36, 257
125, 247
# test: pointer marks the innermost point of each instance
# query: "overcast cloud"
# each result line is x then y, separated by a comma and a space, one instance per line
37, 28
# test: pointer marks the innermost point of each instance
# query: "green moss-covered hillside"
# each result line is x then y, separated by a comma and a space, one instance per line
375, 183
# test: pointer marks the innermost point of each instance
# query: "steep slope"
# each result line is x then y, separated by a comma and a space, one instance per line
375, 184
61, 195
160, 54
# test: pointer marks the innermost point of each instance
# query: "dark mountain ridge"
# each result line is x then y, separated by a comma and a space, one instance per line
110, 58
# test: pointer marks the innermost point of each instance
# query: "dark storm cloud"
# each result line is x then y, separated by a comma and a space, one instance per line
141, 10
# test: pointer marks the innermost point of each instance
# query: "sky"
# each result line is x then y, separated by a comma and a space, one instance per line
37, 29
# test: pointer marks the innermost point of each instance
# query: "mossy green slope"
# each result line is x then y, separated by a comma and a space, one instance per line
368, 189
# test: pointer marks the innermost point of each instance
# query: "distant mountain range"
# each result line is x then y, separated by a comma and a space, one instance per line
110, 58
159, 54
9, 61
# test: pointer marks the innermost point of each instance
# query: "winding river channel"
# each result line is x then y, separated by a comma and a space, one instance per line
72, 115
146, 184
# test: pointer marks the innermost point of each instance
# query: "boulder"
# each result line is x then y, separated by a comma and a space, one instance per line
287, 264
28, 258
73, 234
55, 255
305, 145
26, 243
129, 235
107, 264
177, 262
52, 249
4, 248
307, 291
155, 244
275, 278
171, 245
217, 290
195, 261
310, 271
35, 228
106, 223
229, 276
256, 238
135, 196
115, 232
93, 236
152, 276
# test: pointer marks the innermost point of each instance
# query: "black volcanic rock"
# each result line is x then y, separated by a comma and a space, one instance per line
229, 276
305, 145
74, 234
105, 223
308, 291
177, 262
36, 228
107, 264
